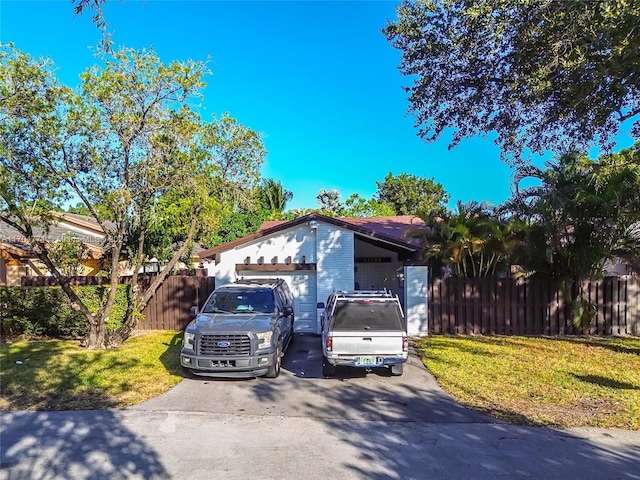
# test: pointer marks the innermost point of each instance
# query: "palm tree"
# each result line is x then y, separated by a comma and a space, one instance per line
472, 241
580, 216
273, 196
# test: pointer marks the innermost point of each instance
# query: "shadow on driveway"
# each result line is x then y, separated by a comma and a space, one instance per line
301, 391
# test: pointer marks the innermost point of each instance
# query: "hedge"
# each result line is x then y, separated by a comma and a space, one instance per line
46, 311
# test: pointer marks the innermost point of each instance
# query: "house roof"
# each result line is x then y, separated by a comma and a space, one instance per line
85, 228
391, 231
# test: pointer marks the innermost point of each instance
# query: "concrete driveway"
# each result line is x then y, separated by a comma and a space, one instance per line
301, 391
360, 426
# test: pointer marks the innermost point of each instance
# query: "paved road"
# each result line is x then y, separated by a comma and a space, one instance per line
300, 425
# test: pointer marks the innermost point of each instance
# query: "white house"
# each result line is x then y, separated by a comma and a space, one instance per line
318, 255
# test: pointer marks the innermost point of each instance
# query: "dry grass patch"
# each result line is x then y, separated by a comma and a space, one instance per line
557, 382
60, 375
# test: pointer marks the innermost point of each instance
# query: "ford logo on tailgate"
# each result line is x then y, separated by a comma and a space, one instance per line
223, 344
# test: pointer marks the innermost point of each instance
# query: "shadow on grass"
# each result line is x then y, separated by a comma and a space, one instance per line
629, 345
477, 347
34, 377
407, 427
605, 382
58, 375
90, 442
170, 358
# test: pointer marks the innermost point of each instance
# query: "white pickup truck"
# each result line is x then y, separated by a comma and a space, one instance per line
363, 329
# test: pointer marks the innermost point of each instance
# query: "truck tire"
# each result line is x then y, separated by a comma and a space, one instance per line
274, 370
328, 370
397, 369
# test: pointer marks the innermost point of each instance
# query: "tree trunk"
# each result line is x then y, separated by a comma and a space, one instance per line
140, 299
96, 335
119, 336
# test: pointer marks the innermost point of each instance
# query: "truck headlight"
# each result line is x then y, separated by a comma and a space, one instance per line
264, 339
188, 340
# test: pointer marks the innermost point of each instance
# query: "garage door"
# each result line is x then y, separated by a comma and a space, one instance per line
303, 288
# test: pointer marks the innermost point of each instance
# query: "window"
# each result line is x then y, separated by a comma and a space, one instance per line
241, 301
367, 315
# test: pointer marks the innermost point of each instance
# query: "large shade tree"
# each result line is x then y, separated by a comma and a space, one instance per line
131, 149
538, 73
358, 206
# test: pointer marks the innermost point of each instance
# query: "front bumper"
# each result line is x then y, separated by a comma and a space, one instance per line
228, 366
352, 360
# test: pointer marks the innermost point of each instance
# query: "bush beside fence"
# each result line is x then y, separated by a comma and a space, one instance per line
44, 311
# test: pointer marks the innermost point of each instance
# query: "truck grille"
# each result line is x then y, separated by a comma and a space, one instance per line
216, 345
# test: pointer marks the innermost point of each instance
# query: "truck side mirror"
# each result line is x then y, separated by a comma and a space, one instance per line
320, 305
287, 311
194, 310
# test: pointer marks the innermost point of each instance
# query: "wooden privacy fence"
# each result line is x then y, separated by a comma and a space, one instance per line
533, 306
169, 308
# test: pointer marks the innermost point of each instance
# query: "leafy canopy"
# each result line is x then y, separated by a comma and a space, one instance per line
581, 215
408, 194
539, 73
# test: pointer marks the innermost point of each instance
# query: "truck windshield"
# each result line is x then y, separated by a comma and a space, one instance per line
367, 316
240, 301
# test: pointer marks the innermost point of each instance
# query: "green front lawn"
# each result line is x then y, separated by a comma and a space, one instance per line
556, 382
60, 375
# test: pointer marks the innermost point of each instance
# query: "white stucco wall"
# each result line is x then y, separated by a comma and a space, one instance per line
295, 242
416, 282
335, 259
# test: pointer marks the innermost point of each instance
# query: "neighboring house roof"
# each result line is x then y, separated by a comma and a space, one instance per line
390, 231
84, 227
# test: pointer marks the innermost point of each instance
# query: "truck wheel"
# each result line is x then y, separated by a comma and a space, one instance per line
274, 370
328, 370
397, 369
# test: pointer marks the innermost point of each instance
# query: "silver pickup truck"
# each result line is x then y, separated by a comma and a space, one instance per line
363, 329
243, 330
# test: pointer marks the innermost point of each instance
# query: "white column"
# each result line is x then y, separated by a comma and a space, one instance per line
416, 282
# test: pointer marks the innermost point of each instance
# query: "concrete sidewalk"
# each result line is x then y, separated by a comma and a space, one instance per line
145, 444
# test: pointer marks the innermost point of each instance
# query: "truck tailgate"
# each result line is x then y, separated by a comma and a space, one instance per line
367, 343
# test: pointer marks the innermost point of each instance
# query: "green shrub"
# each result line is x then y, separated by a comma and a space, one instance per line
46, 311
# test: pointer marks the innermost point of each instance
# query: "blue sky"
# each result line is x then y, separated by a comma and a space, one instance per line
317, 79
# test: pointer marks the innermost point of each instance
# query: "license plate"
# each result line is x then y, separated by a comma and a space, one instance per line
366, 361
